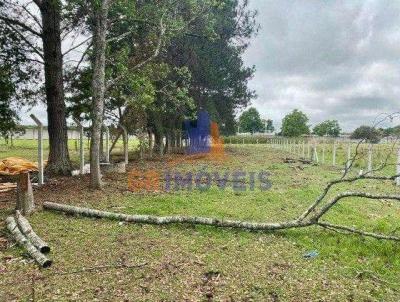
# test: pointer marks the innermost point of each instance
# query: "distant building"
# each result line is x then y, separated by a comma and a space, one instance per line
31, 132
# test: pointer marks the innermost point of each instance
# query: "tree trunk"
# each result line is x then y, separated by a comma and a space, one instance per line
98, 89
102, 153
168, 142
58, 161
157, 141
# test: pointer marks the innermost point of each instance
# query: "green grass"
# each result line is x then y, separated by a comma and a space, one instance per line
200, 263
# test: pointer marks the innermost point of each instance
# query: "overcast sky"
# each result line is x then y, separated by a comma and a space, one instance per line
330, 59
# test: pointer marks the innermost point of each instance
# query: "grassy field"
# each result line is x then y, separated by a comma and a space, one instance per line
198, 263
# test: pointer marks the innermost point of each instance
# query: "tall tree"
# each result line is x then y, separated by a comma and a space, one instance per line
367, 133
58, 161
327, 128
270, 126
22, 19
250, 121
295, 124
214, 58
100, 13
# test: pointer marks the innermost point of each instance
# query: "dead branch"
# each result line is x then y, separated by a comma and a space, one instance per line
343, 180
23, 26
347, 229
297, 223
35, 49
340, 196
77, 46
149, 219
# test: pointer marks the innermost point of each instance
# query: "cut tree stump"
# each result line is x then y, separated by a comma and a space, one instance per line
25, 201
41, 259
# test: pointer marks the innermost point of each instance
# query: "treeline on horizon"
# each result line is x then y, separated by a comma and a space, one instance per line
295, 124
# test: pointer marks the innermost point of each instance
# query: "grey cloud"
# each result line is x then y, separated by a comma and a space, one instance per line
332, 59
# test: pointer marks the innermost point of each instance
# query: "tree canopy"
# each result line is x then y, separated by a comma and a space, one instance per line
327, 128
8, 115
194, 63
367, 133
269, 125
250, 121
295, 124
147, 65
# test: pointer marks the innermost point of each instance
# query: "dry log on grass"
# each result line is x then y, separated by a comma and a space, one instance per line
41, 259
28, 232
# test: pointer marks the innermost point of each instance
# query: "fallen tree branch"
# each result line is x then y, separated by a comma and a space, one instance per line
355, 231
339, 181
149, 219
41, 259
340, 196
28, 232
297, 223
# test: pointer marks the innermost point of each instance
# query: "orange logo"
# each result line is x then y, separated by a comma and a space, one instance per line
149, 180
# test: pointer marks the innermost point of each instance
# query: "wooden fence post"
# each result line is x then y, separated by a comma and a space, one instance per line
40, 148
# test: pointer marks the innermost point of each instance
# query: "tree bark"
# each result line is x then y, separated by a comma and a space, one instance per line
58, 161
41, 259
150, 143
159, 142
28, 232
150, 219
98, 88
